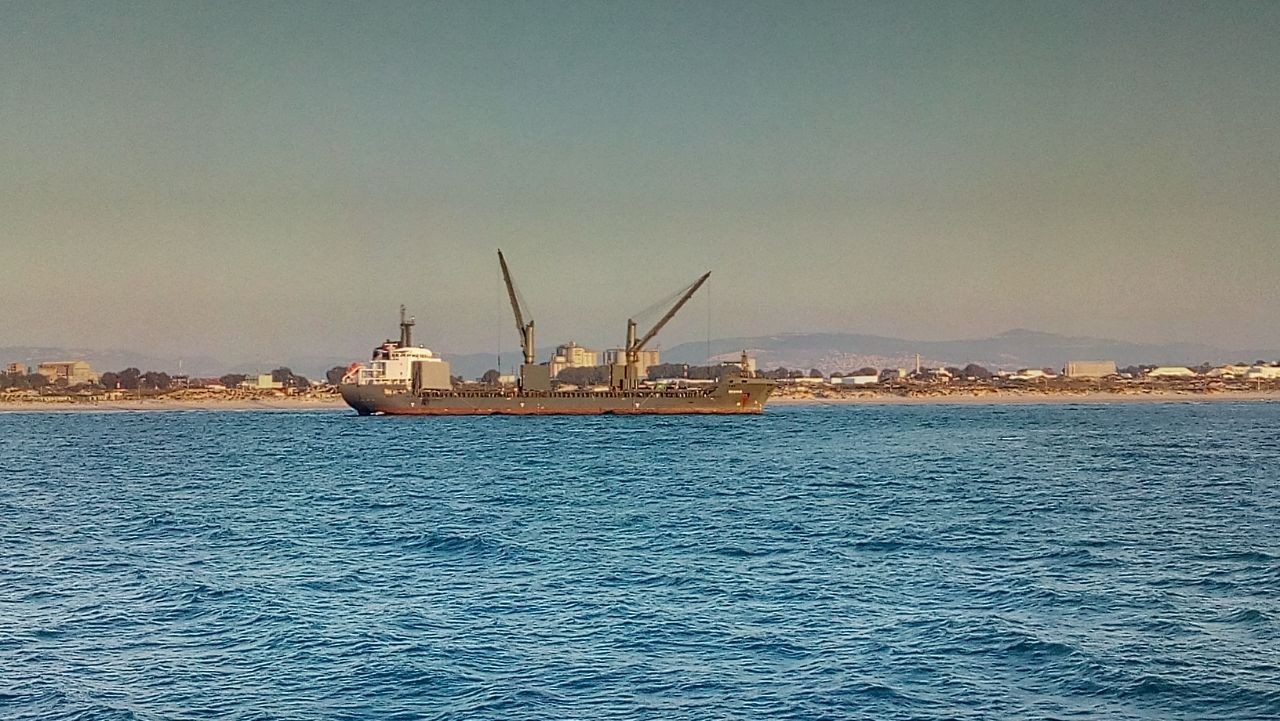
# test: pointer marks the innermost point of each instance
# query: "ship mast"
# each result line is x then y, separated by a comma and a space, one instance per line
631, 374
406, 329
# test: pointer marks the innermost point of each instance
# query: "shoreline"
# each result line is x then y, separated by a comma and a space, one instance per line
336, 403
161, 404
1030, 398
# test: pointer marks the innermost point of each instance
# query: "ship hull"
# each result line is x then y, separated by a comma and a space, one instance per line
734, 397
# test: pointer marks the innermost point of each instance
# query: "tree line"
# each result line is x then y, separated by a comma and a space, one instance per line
134, 379
22, 381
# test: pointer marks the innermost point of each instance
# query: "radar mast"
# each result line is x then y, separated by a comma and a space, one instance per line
406, 329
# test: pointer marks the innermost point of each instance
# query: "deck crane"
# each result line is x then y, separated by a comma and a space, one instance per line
627, 377
532, 376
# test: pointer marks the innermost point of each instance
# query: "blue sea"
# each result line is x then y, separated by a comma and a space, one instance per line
854, 562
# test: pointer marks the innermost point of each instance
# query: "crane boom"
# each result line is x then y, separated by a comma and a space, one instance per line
525, 330
511, 293
670, 314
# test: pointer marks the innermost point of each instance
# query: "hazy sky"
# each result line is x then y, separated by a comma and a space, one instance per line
244, 179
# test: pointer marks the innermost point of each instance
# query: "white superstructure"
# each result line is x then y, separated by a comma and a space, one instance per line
401, 364
397, 365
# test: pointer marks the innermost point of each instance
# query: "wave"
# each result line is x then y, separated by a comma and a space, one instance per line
862, 566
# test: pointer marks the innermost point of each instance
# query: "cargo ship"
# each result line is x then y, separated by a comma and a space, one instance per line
404, 379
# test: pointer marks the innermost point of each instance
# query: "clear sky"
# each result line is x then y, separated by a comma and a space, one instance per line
241, 179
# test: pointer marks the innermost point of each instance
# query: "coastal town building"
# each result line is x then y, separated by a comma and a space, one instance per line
73, 372
16, 369
1228, 371
932, 375
1031, 374
856, 380
1171, 372
1263, 373
572, 355
260, 382
648, 358
1090, 369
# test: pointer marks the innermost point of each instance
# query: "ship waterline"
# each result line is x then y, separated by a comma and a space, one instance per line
732, 396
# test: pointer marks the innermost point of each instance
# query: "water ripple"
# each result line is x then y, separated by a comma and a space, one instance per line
877, 562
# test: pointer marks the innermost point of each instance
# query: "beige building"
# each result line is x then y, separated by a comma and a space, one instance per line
855, 380
1090, 369
16, 369
1257, 373
74, 372
647, 358
1171, 372
1228, 371
1030, 374
572, 355
262, 382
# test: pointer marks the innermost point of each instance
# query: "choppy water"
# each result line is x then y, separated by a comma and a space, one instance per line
971, 562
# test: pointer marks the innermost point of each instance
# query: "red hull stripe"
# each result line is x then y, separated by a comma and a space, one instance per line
550, 412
